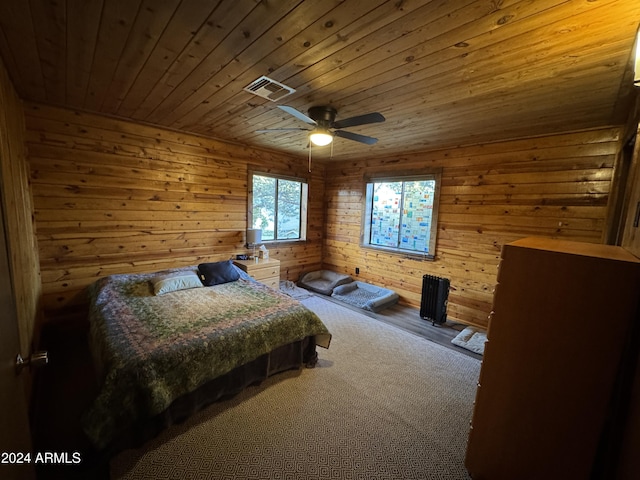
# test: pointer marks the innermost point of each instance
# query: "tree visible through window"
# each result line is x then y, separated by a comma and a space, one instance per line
279, 207
401, 214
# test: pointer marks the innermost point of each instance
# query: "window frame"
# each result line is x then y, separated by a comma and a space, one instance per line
367, 210
304, 201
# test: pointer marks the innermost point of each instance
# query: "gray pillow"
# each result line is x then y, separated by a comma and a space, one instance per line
346, 288
171, 282
216, 273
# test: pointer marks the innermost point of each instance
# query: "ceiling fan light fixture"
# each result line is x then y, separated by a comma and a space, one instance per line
320, 137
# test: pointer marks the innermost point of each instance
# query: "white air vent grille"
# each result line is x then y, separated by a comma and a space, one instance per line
270, 89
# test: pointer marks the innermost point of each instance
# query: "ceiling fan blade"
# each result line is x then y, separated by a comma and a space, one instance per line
297, 114
359, 120
281, 130
356, 137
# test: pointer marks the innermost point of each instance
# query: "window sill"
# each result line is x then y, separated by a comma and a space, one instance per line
277, 243
405, 253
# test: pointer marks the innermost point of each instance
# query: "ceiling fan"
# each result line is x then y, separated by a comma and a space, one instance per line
325, 126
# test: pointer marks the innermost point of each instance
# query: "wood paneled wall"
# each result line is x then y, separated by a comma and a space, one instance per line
115, 197
112, 196
18, 211
491, 194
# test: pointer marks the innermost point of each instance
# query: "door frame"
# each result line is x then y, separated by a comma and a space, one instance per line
16, 452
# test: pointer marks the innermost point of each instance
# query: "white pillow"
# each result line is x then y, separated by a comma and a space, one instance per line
171, 282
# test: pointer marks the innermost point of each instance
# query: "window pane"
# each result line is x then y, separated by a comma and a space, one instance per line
278, 206
264, 205
417, 214
400, 214
385, 214
289, 194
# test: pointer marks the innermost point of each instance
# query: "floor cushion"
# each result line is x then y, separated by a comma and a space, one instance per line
366, 296
323, 281
472, 339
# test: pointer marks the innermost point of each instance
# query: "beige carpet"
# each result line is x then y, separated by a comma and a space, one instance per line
381, 404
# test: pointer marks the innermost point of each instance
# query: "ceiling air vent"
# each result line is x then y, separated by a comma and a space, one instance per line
270, 89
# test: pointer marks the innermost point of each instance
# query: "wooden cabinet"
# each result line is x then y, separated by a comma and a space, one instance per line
265, 271
631, 235
553, 388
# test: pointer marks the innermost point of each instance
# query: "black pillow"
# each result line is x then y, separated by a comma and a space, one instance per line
218, 272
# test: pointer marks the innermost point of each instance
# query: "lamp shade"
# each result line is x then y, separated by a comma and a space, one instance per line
320, 137
254, 236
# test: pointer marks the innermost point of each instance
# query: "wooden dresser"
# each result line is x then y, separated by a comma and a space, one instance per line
558, 365
264, 271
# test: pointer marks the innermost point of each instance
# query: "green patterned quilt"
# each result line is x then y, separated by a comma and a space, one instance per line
149, 350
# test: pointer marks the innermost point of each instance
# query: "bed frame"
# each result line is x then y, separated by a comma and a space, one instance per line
295, 355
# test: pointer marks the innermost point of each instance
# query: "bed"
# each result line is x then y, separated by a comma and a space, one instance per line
164, 345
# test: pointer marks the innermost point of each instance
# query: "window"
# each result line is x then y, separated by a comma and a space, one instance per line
278, 206
401, 214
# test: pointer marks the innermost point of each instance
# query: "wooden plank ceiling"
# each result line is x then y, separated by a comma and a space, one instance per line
443, 73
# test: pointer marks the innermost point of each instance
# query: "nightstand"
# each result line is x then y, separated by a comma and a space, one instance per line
264, 271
